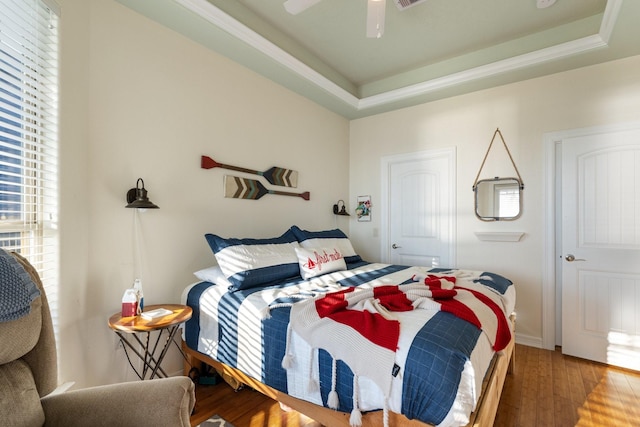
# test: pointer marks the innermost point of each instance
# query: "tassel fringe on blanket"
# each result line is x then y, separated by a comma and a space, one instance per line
365, 318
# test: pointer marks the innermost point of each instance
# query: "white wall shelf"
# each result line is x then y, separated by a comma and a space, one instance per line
499, 236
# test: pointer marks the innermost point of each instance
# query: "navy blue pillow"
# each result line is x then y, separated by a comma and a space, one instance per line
248, 263
327, 239
495, 281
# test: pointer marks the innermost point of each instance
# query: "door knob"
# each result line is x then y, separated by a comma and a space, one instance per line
572, 258
394, 246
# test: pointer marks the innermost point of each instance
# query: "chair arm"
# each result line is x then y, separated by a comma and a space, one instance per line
160, 402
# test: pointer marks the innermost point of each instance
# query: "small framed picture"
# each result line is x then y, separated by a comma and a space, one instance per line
363, 208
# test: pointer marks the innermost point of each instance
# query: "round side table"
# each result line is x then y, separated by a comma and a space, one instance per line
166, 325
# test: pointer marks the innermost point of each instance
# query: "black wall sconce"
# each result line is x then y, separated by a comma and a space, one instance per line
137, 197
337, 210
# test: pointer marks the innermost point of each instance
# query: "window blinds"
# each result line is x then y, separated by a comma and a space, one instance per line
29, 134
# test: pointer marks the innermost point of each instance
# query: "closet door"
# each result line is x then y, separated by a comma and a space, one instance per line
420, 209
601, 247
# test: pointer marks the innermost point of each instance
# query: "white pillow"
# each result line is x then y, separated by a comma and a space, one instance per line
316, 261
211, 274
327, 239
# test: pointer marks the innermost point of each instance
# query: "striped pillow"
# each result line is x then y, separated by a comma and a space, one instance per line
248, 263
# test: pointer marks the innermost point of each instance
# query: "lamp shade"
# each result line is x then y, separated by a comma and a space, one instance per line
137, 197
337, 210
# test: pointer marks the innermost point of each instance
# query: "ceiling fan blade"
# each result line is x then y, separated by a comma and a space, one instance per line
375, 17
294, 7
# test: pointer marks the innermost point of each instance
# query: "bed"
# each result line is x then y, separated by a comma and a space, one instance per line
303, 319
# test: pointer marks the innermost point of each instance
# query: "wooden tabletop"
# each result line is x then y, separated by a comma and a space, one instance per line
180, 313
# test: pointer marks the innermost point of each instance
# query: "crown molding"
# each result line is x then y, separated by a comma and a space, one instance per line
499, 67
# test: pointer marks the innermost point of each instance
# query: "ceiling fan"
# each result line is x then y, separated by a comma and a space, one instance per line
375, 12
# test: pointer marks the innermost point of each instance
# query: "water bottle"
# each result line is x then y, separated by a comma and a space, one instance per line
137, 287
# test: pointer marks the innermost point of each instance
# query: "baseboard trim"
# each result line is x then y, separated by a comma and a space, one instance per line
528, 340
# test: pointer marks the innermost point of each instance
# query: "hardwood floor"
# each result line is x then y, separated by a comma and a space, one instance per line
244, 408
550, 389
547, 389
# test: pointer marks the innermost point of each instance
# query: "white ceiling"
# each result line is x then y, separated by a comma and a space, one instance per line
435, 49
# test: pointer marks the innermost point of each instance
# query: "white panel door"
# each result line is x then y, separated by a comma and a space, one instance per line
421, 214
601, 247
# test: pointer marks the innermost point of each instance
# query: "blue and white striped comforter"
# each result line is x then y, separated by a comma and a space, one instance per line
441, 358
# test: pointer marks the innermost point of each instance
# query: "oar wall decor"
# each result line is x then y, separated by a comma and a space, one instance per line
275, 175
245, 188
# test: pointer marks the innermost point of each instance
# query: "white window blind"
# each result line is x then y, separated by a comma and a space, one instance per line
29, 135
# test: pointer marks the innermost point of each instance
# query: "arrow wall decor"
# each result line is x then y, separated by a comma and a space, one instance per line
245, 188
275, 175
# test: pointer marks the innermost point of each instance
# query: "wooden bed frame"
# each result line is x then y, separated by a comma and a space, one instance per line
484, 415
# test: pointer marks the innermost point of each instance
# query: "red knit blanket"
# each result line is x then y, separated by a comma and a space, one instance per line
358, 325
360, 310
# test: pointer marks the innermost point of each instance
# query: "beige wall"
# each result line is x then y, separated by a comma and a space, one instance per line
524, 112
138, 100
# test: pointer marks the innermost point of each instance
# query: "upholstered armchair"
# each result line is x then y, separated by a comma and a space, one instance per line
28, 370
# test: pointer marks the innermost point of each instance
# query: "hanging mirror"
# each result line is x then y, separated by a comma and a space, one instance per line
498, 199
